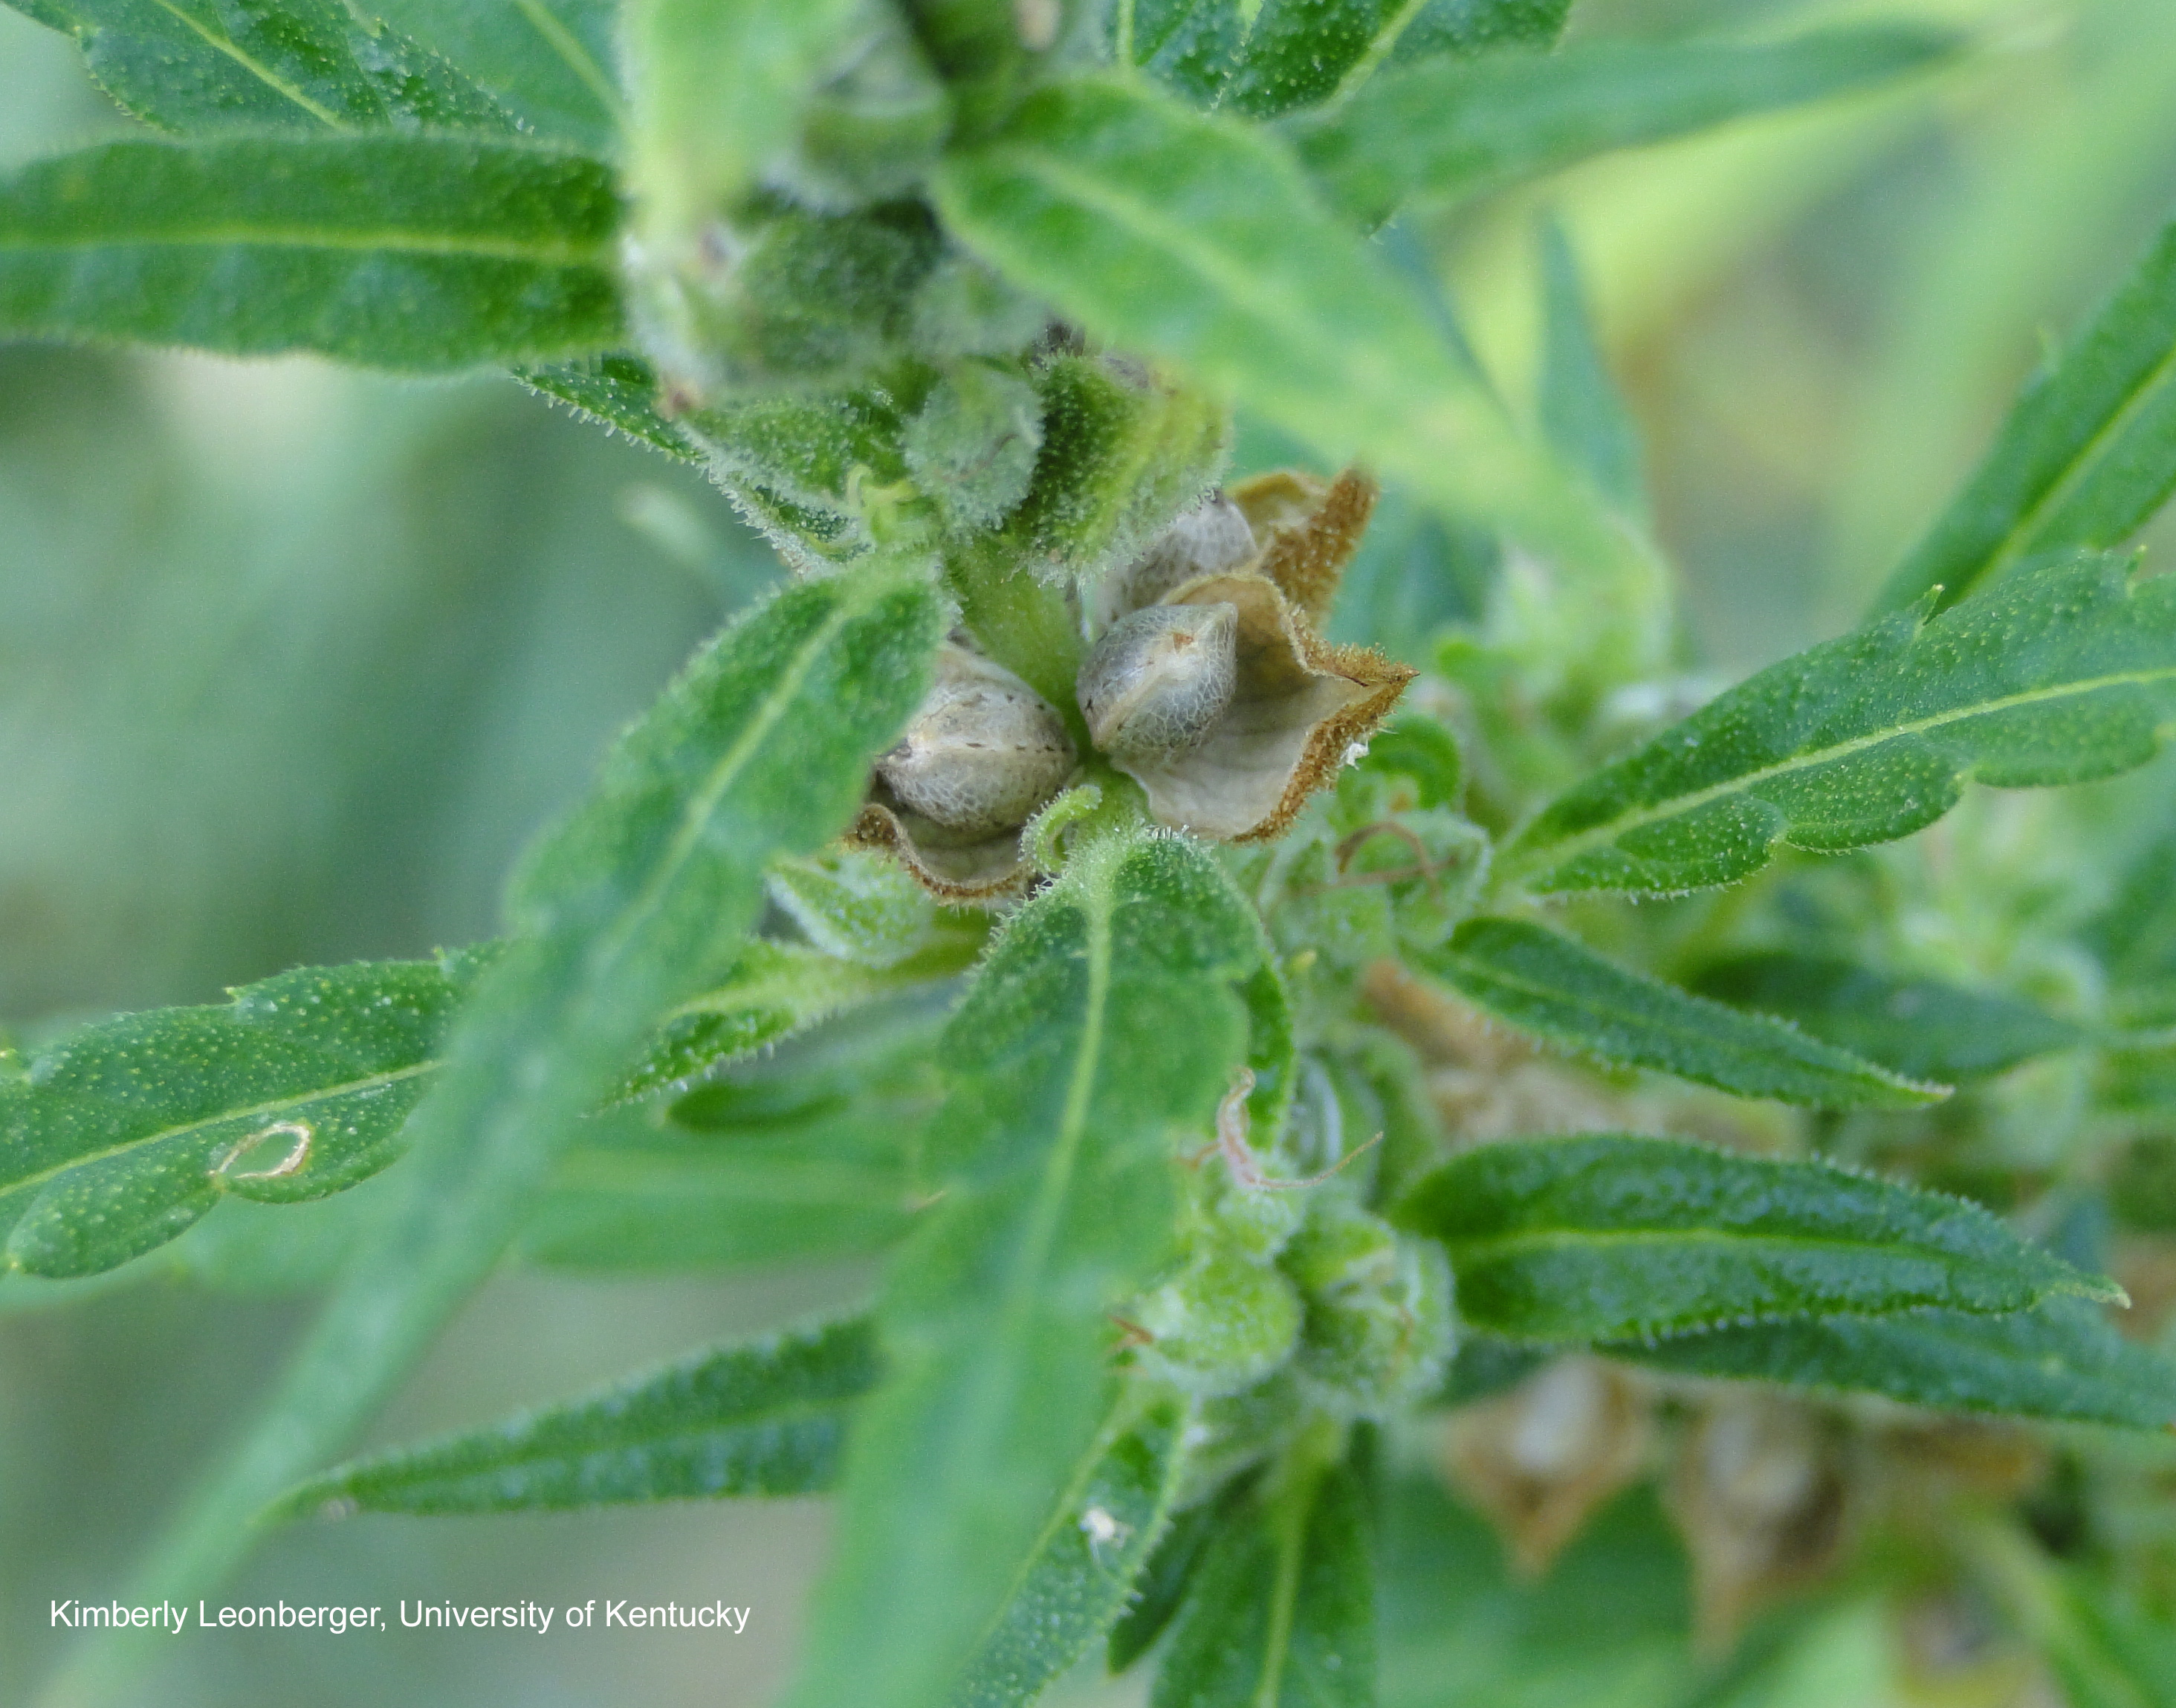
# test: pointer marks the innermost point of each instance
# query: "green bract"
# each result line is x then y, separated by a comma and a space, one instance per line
1165, 958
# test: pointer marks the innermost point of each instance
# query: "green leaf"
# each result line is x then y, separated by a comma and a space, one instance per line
1197, 238
1918, 1027
635, 904
1561, 991
1069, 1095
616, 391
2135, 935
125, 1133
2060, 675
2085, 458
765, 1418
1160, 1589
1113, 1512
550, 63
1581, 410
1455, 128
1280, 1613
417, 252
2061, 1361
313, 66
1605, 1237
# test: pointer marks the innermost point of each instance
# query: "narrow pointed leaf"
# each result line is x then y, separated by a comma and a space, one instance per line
765, 1418
2085, 458
2060, 675
1280, 1613
614, 391
1112, 1512
1197, 238
417, 252
1918, 1027
553, 63
1582, 411
636, 903
1561, 991
1454, 129
1160, 1589
129, 1130
2135, 935
2061, 1361
1609, 1237
313, 66
1070, 1094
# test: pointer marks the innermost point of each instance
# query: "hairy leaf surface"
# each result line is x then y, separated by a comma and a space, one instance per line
1197, 238
764, 1419
417, 253
617, 391
1919, 1027
2060, 675
1069, 1092
1455, 128
2085, 458
313, 66
1608, 1238
1113, 1511
1280, 1613
2060, 1361
1560, 990
553, 63
636, 903
124, 1134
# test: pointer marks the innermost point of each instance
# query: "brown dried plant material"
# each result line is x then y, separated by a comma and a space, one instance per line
1300, 706
1540, 1459
1760, 1494
982, 755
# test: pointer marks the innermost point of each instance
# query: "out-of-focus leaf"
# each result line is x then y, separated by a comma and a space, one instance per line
1561, 991
2060, 1360
1608, 1238
765, 1418
418, 253
2108, 1650
1068, 1090
639, 901
1197, 238
1112, 1512
2060, 675
551, 62
125, 1133
1161, 1587
1918, 1027
1581, 410
1455, 128
614, 391
1280, 1613
306, 65
2086, 457
2135, 935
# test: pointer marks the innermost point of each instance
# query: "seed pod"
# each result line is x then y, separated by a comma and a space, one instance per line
1223, 1326
983, 753
1159, 679
1211, 537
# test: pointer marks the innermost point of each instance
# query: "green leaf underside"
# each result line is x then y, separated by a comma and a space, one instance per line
1612, 1237
1069, 1092
125, 1134
1559, 990
2060, 675
635, 904
1196, 238
315, 65
1455, 128
552, 63
768, 1418
417, 253
1919, 1027
1111, 1515
1280, 1612
616, 391
2061, 1361
2085, 458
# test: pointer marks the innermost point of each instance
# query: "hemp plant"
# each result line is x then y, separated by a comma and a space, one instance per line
1245, 1044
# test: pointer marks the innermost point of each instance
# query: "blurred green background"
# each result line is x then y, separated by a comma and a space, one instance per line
292, 660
